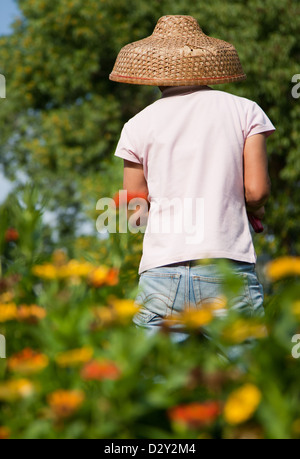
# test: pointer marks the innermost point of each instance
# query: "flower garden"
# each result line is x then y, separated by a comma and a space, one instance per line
77, 367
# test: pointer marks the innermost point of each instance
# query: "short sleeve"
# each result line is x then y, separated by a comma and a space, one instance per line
258, 122
126, 147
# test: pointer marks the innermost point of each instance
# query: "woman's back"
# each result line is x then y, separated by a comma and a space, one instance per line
190, 143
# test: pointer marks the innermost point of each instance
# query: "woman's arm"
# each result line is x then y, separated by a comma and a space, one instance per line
135, 183
257, 182
134, 179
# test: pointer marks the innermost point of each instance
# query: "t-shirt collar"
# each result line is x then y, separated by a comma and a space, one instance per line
182, 90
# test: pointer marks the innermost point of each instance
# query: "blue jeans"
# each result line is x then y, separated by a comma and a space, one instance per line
168, 290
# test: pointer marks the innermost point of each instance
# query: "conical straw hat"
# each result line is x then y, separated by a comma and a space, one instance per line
178, 53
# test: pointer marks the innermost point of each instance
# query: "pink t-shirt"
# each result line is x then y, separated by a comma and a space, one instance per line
191, 143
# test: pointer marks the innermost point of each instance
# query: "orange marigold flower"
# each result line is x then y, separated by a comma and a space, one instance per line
195, 414
103, 275
11, 235
28, 362
112, 277
8, 312
64, 403
74, 357
4, 433
126, 198
31, 313
99, 370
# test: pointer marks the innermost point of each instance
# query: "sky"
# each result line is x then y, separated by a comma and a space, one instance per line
8, 11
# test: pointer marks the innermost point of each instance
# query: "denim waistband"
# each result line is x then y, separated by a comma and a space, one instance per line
211, 264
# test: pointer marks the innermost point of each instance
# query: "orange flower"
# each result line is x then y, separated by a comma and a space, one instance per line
31, 313
64, 403
195, 414
99, 370
130, 195
4, 433
112, 277
11, 235
28, 362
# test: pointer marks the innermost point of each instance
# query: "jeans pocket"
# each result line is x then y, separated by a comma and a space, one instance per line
211, 290
156, 294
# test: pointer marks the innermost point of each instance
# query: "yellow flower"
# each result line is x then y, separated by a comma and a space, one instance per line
74, 357
64, 403
45, 271
243, 329
28, 362
283, 267
15, 389
98, 276
76, 269
196, 318
123, 308
242, 404
8, 312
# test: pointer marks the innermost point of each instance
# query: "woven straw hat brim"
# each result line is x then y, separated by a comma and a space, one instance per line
178, 53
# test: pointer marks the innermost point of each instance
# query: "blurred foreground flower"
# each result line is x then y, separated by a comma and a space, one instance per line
99, 370
283, 267
243, 329
8, 312
64, 403
30, 313
195, 415
74, 357
242, 404
74, 269
104, 275
191, 319
16, 389
117, 311
4, 433
28, 362
11, 235
127, 197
